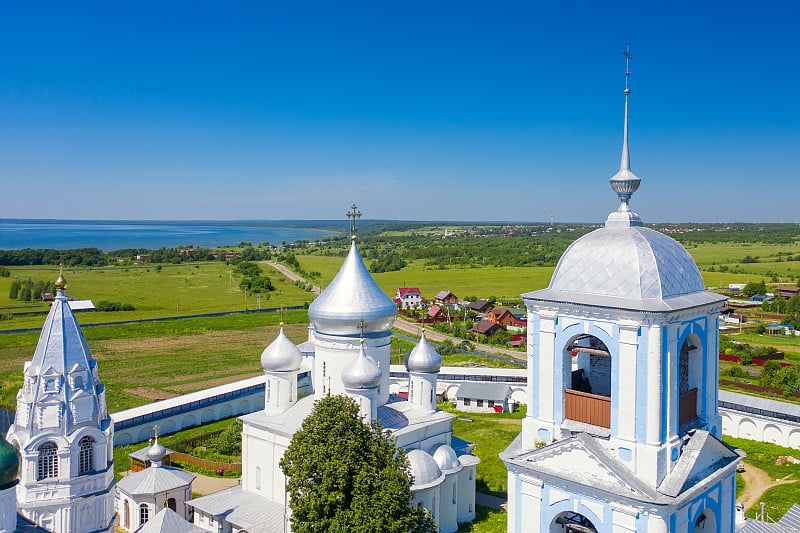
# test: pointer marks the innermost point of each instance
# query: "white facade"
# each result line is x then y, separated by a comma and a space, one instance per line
350, 340
622, 432
63, 432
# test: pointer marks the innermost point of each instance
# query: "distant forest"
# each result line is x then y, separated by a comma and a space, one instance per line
390, 245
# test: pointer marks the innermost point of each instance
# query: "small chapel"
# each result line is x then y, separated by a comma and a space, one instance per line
622, 431
347, 352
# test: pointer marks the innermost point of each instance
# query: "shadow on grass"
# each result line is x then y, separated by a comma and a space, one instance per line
486, 521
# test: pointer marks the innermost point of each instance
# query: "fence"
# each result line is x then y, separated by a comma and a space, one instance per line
213, 466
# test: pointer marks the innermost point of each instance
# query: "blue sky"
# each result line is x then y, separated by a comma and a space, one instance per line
414, 110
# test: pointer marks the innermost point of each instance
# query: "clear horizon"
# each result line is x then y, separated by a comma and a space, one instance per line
457, 111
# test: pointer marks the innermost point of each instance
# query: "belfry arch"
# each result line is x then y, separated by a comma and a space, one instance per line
690, 380
587, 389
569, 522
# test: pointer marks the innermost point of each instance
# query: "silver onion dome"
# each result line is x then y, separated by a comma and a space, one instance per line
281, 355
627, 262
352, 297
362, 373
423, 358
156, 452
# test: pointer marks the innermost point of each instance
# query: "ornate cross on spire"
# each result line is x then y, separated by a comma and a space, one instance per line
362, 326
353, 214
628, 57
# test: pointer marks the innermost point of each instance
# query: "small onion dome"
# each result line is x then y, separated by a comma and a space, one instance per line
423, 358
424, 469
9, 464
156, 452
362, 373
61, 283
281, 355
446, 458
351, 297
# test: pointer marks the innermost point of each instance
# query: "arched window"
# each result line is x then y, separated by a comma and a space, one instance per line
269, 389
144, 514
126, 517
86, 455
172, 504
47, 466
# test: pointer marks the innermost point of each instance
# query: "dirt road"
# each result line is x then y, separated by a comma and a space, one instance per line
758, 481
292, 276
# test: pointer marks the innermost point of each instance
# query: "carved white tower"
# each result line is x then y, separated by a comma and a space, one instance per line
63, 431
622, 429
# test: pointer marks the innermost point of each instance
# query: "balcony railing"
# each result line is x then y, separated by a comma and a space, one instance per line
588, 408
687, 407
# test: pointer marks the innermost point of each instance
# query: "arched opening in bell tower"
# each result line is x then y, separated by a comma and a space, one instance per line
705, 523
587, 391
690, 382
569, 522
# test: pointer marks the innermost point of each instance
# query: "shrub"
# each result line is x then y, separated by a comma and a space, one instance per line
105, 305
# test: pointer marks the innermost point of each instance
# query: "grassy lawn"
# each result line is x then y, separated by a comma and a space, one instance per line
486, 521
763, 455
491, 433
122, 462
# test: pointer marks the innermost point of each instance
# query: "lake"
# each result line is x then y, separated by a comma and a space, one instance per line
111, 235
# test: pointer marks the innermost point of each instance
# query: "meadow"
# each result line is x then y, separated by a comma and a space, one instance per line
154, 290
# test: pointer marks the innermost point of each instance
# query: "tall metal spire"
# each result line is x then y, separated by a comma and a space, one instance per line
625, 182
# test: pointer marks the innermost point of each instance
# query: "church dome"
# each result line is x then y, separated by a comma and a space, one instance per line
362, 373
630, 262
281, 355
446, 458
351, 297
424, 469
156, 452
9, 464
423, 358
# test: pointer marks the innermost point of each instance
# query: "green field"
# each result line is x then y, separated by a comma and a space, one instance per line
140, 363
172, 290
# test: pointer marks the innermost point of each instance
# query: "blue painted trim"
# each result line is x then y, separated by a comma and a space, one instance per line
664, 383
615, 370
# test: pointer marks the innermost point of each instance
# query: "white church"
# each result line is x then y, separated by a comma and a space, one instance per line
62, 436
347, 353
622, 431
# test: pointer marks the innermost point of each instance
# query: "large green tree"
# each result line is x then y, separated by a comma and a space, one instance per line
347, 476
